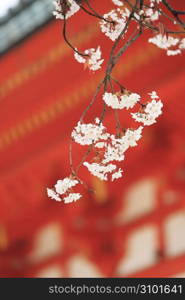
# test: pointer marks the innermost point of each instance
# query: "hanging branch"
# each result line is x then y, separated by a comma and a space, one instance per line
124, 25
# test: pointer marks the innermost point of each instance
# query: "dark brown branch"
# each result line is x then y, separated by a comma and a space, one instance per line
175, 13
93, 13
92, 101
67, 41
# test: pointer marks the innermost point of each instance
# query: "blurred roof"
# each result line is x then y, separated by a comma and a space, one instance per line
19, 18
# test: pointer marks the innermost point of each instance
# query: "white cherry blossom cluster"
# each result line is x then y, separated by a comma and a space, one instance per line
91, 59
65, 8
120, 101
117, 19
102, 171
114, 22
151, 12
112, 148
117, 2
64, 188
115, 147
86, 134
151, 111
172, 45
106, 150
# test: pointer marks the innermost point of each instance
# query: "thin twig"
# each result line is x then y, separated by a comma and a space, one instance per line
92, 101
66, 39
93, 13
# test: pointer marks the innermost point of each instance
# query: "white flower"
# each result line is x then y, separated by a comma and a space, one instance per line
86, 134
81, 59
173, 46
152, 2
116, 147
117, 174
182, 44
130, 100
173, 52
118, 19
115, 150
117, 2
137, 16
53, 195
146, 119
153, 95
72, 197
163, 41
152, 111
99, 170
151, 14
154, 108
111, 100
141, 12
100, 145
67, 8
120, 102
93, 59
132, 136
63, 185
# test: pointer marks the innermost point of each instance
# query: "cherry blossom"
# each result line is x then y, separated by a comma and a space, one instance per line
120, 101
72, 197
146, 119
154, 108
151, 14
53, 195
173, 52
114, 150
117, 146
182, 44
173, 46
117, 174
65, 8
163, 41
99, 170
117, 22
106, 151
153, 1
153, 95
91, 59
152, 111
64, 187
132, 136
117, 2
86, 134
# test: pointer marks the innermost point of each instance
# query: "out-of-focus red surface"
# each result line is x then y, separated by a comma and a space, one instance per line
43, 92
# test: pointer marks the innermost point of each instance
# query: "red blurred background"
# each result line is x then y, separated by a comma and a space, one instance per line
134, 227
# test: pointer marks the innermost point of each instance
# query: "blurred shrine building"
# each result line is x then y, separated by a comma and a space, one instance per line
134, 227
